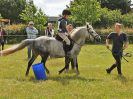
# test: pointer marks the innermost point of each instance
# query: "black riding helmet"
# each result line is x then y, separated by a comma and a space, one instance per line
66, 12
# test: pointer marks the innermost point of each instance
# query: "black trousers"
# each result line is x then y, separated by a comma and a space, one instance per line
117, 57
2, 44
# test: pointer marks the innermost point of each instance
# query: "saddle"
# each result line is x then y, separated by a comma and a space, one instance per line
65, 46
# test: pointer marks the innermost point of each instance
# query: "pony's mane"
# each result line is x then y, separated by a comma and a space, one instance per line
80, 27
77, 29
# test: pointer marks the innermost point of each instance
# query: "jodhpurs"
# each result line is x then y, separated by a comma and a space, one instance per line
65, 38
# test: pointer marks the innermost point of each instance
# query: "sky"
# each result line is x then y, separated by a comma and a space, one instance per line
53, 7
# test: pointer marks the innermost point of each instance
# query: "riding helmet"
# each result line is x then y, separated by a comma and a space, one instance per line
66, 12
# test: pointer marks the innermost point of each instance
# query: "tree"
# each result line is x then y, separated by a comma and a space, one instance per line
31, 13
85, 11
11, 9
40, 19
122, 5
108, 18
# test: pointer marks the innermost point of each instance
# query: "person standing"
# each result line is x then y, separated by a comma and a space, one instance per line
49, 31
120, 43
31, 34
2, 37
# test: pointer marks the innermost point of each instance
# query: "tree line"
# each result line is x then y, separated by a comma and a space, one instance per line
21, 11
100, 13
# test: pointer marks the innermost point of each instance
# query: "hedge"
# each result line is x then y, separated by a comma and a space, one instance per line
17, 33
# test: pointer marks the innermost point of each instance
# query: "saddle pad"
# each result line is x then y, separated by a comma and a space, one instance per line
65, 46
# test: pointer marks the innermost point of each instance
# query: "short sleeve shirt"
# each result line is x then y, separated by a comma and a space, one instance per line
117, 40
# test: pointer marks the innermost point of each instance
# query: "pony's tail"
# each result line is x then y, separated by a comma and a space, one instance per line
17, 47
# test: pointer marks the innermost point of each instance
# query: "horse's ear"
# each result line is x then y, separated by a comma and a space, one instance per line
87, 24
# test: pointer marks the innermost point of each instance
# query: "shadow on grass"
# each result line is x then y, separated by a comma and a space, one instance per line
122, 78
63, 79
66, 79
21, 79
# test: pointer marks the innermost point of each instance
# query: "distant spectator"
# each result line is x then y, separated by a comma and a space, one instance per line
31, 34
2, 37
49, 31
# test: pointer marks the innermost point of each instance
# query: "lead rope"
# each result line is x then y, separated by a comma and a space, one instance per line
122, 57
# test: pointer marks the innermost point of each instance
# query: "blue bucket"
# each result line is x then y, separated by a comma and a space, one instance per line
39, 71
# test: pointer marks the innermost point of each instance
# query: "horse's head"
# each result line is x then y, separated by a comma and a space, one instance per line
91, 33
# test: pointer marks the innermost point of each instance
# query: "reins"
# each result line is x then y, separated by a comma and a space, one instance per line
88, 29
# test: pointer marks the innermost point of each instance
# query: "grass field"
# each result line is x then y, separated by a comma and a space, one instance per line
92, 83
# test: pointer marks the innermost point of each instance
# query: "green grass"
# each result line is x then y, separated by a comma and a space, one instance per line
92, 83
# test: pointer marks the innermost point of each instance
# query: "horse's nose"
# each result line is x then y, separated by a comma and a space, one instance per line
98, 39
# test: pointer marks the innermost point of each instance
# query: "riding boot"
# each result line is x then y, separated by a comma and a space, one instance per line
119, 69
67, 59
67, 50
111, 68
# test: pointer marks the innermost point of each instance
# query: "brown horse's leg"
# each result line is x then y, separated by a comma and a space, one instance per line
67, 61
76, 64
72, 64
30, 63
44, 59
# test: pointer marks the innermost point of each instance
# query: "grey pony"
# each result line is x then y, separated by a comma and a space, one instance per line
49, 46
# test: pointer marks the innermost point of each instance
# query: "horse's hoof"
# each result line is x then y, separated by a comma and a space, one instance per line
77, 72
60, 72
66, 71
26, 75
48, 72
73, 68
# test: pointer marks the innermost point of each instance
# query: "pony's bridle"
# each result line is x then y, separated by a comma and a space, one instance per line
88, 29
